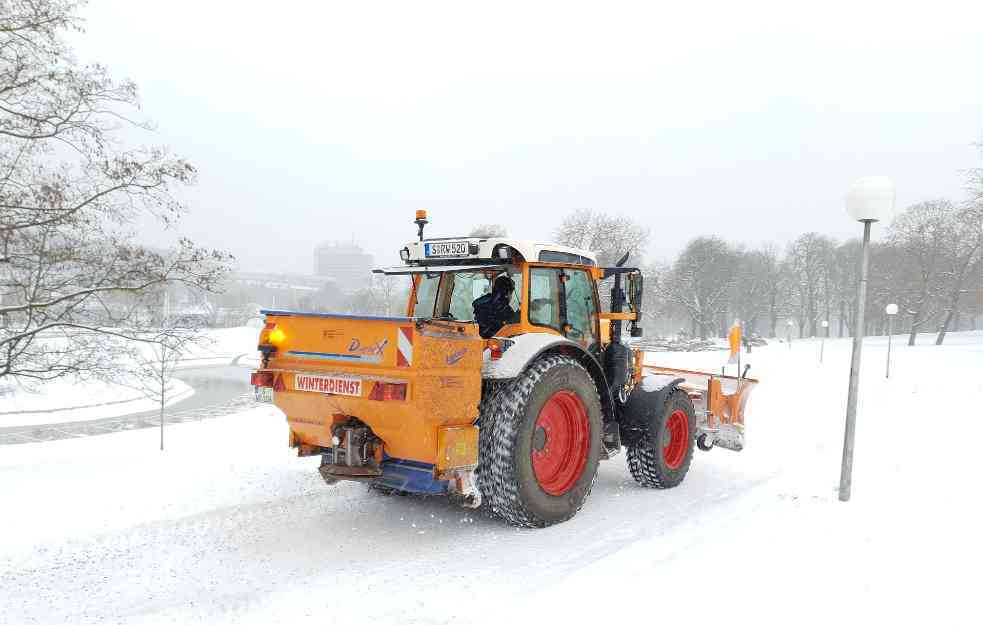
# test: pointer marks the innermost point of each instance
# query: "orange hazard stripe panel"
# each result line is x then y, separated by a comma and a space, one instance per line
404, 346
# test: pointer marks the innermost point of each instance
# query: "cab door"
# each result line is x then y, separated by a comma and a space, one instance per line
581, 309
564, 300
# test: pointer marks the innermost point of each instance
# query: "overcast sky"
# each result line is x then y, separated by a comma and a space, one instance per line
315, 121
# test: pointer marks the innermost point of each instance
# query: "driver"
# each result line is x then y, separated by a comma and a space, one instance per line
492, 310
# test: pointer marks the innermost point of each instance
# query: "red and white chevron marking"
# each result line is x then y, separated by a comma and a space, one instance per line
404, 346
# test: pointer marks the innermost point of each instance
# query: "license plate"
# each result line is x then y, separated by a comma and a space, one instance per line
264, 394
446, 248
333, 385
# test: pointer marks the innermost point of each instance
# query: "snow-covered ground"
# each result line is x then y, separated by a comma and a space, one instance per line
222, 344
226, 526
68, 400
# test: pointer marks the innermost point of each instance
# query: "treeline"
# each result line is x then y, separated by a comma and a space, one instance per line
930, 264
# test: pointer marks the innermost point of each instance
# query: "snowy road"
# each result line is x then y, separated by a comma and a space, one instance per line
282, 526
226, 526
219, 390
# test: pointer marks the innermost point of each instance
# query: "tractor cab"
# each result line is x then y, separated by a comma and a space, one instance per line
555, 287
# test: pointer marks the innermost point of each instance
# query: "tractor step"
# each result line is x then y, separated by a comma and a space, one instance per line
612, 441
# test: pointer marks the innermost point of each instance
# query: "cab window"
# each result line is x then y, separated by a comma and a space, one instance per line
426, 295
454, 298
581, 307
465, 288
544, 298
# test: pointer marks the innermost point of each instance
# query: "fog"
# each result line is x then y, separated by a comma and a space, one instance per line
335, 121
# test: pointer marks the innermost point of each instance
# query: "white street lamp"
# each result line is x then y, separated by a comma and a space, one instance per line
790, 324
869, 199
891, 310
822, 340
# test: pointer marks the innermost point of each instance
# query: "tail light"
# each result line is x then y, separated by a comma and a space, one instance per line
497, 347
388, 391
261, 378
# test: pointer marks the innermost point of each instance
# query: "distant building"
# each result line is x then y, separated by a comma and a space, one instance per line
346, 263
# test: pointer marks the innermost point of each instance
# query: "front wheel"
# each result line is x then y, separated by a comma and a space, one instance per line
543, 443
661, 456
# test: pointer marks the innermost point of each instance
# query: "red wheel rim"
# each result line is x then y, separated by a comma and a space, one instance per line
675, 439
561, 439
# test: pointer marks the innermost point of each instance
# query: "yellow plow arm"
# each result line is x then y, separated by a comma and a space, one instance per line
720, 402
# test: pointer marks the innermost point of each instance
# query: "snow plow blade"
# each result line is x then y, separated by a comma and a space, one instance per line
719, 400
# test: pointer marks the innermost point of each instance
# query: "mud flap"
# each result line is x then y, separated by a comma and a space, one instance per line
656, 388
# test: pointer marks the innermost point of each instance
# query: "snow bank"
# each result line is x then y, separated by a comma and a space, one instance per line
70, 400
65, 401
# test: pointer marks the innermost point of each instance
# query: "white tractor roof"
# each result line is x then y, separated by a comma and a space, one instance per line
457, 249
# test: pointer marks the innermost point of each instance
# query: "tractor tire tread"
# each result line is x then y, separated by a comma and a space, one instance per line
644, 459
507, 409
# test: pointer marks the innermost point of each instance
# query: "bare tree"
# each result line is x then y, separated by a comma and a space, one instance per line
810, 259
655, 307
756, 288
72, 282
843, 292
383, 295
885, 284
701, 282
155, 362
922, 234
487, 231
963, 263
606, 235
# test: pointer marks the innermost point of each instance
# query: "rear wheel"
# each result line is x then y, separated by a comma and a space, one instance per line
661, 456
541, 443
486, 418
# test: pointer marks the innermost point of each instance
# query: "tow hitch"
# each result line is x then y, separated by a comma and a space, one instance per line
352, 455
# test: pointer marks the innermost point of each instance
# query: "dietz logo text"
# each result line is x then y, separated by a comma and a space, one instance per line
356, 347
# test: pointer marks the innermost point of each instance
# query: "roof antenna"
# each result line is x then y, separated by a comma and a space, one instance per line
420, 221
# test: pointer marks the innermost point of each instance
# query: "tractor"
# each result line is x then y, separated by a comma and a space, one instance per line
514, 416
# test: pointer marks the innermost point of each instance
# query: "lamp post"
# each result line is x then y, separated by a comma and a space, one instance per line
790, 324
869, 199
891, 310
822, 340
